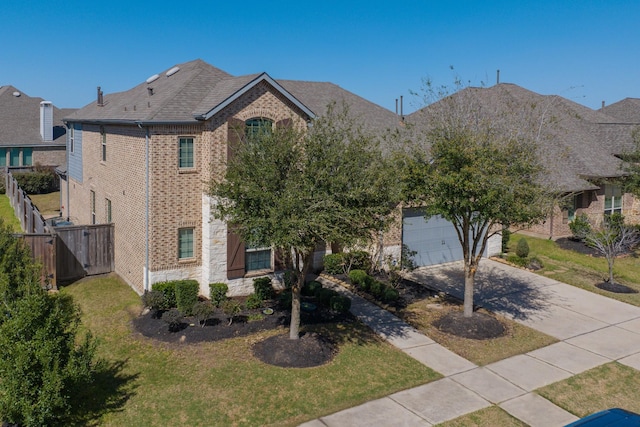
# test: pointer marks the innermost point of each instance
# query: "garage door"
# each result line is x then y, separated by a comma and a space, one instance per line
434, 240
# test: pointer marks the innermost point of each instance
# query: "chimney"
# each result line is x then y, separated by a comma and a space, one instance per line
497, 77
100, 99
46, 121
602, 104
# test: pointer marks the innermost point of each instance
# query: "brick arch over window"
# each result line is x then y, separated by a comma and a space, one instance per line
236, 248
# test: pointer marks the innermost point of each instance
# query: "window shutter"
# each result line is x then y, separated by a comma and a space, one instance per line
235, 255
235, 135
285, 123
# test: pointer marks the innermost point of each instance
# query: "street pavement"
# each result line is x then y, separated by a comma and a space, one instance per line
592, 330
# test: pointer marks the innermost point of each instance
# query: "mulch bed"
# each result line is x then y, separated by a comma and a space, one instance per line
480, 326
616, 288
577, 246
311, 349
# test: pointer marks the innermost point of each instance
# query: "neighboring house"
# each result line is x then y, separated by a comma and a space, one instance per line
31, 131
143, 158
580, 150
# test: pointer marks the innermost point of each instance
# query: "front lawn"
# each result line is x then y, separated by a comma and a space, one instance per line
221, 383
608, 386
583, 271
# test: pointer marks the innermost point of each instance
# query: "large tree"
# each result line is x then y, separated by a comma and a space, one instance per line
477, 167
294, 188
44, 362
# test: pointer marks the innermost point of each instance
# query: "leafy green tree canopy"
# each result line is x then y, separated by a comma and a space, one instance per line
477, 166
294, 188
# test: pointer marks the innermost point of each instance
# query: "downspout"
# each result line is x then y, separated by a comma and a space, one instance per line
68, 176
146, 209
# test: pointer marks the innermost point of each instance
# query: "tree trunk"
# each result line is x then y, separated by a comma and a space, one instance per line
610, 263
469, 277
296, 290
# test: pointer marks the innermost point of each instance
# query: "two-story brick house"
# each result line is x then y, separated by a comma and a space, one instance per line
143, 158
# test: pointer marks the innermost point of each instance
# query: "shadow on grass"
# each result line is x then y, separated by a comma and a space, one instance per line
109, 392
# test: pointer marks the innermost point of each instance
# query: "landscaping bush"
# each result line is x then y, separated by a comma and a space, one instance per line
169, 291
340, 303
290, 278
357, 260
218, 293
263, 288
154, 300
173, 318
506, 235
310, 288
334, 263
186, 295
202, 310
358, 277
285, 299
517, 260
522, 249
253, 302
390, 295
324, 296
377, 289
580, 227
231, 308
37, 182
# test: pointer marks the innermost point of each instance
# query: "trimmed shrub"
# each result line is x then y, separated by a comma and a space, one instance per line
357, 260
285, 299
186, 295
522, 249
519, 261
202, 310
358, 277
253, 302
263, 288
231, 308
218, 293
289, 278
310, 288
173, 318
154, 300
580, 227
390, 294
37, 182
377, 289
506, 235
169, 291
324, 296
340, 303
334, 263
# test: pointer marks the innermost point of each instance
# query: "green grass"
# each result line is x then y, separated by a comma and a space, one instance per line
221, 383
581, 270
492, 416
607, 386
7, 214
48, 204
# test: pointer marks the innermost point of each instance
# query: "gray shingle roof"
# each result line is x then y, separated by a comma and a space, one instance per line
20, 120
198, 88
626, 111
577, 144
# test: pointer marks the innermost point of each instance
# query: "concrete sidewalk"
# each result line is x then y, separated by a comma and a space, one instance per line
593, 330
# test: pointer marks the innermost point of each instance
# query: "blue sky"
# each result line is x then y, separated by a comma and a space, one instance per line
587, 51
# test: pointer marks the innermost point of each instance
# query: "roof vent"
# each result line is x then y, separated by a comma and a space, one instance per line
16, 94
153, 78
100, 98
150, 91
172, 71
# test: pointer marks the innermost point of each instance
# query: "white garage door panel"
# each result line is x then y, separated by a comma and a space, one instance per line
435, 240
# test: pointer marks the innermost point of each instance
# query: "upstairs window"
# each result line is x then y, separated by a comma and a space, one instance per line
612, 199
258, 126
185, 153
103, 139
71, 138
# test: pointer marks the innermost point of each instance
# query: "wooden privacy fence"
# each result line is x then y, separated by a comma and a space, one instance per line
66, 253
30, 218
72, 252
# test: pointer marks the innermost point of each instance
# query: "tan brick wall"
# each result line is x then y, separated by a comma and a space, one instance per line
49, 156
